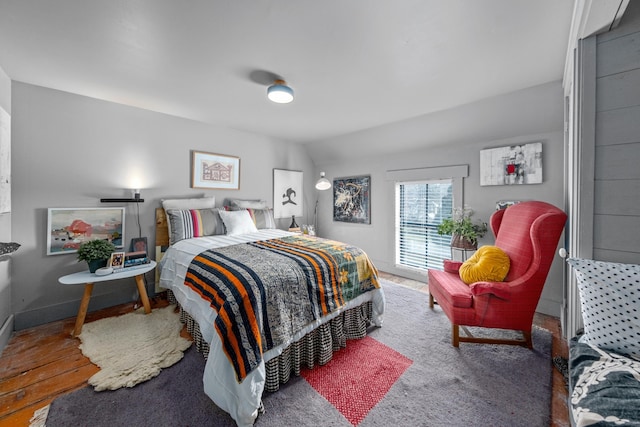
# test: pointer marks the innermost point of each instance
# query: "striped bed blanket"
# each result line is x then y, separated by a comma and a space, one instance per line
266, 291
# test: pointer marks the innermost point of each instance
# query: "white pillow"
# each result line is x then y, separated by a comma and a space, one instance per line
610, 297
238, 222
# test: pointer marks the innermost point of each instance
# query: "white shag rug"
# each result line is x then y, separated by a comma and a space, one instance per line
134, 347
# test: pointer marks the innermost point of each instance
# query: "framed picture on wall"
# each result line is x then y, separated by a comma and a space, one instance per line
352, 199
287, 193
210, 170
68, 228
515, 164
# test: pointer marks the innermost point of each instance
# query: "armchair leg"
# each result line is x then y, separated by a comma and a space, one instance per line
455, 335
527, 339
430, 300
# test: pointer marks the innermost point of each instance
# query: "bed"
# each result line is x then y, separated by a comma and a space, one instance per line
604, 361
262, 303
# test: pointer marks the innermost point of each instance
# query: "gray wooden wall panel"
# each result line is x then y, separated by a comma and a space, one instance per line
613, 56
619, 90
618, 126
607, 198
616, 225
616, 256
617, 162
629, 23
617, 233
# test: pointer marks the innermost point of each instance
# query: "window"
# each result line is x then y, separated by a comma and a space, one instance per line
420, 208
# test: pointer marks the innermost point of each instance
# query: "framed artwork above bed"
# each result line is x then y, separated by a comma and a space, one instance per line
287, 193
211, 170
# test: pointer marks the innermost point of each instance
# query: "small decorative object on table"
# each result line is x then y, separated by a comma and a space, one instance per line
294, 225
308, 229
96, 253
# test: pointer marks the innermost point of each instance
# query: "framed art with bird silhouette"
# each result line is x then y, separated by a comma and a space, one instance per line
287, 193
211, 170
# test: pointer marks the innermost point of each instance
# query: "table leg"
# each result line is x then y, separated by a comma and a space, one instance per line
82, 312
143, 294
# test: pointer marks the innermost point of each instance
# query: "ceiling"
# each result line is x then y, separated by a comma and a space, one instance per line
353, 64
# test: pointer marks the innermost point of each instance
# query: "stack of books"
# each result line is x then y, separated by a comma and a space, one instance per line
135, 259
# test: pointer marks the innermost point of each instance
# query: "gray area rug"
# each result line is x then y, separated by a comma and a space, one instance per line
473, 385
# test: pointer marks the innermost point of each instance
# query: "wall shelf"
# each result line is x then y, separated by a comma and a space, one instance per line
122, 200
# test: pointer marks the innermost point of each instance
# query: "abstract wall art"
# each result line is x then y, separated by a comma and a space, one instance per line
352, 199
515, 164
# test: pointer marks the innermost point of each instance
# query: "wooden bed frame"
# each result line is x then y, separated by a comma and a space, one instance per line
162, 242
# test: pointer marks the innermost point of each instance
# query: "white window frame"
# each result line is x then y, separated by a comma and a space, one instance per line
434, 258
455, 173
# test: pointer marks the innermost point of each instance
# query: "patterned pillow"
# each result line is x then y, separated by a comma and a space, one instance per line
238, 222
610, 297
188, 223
195, 203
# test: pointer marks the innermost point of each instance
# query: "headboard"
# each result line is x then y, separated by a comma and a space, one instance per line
162, 241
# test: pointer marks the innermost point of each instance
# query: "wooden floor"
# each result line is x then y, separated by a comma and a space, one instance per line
44, 362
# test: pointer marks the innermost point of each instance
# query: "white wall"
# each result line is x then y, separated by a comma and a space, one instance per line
543, 105
70, 151
6, 318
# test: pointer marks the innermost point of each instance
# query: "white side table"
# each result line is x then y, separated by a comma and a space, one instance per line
88, 279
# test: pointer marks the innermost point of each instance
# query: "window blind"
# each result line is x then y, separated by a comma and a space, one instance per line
421, 208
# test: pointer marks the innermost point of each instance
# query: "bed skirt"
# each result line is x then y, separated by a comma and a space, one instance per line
315, 348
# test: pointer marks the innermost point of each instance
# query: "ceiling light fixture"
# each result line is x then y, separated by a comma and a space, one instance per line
323, 183
279, 92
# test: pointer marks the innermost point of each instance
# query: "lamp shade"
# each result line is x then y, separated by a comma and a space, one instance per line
279, 92
323, 183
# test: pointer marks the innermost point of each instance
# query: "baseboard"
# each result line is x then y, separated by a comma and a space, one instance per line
52, 313
5, 332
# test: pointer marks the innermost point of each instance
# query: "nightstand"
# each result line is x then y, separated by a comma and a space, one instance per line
88, 279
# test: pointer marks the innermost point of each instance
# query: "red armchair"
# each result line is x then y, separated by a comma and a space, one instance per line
528, 232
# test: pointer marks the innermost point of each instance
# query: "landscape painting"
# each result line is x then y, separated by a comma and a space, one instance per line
68, 228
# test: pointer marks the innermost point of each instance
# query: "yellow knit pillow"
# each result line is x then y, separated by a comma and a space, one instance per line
488, 264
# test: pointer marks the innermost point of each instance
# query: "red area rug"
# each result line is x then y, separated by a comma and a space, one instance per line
358, 377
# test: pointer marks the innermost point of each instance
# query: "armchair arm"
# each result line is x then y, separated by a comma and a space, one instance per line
499, 289
451, 266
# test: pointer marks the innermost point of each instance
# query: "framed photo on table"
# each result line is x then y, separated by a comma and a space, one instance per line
117, 260
138, 244
211, 170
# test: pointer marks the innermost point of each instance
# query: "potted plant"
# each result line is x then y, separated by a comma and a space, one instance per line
96, 253
464, 232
